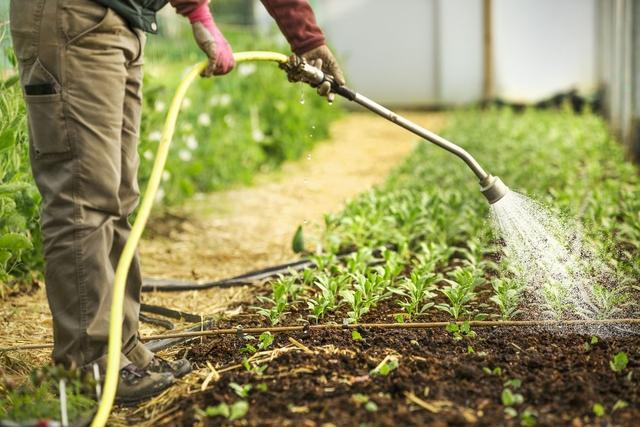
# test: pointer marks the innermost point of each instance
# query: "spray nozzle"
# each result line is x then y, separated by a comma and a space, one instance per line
493, 188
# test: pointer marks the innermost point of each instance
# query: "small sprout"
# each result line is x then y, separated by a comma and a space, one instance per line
248, 348
514, 383
262, 387
363, 399
356, 336
619, 362
266, 339
528, 418
589, 344
510, 412
385, 367
234, 412
620, 404
371, 406
598, 410
510, 398
241, 390
470, 349
497, 371
460, 331
399, 318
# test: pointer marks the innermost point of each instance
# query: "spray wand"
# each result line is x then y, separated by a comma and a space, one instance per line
298, 69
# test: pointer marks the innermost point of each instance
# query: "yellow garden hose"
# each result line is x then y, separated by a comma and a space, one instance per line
117, 302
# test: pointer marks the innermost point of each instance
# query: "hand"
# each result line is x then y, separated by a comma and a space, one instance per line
212, 43
322, 58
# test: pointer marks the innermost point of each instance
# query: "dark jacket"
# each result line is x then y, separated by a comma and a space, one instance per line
295, 18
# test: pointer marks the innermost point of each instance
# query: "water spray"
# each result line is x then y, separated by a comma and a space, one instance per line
298, 69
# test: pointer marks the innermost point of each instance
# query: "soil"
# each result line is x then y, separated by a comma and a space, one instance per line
561, 380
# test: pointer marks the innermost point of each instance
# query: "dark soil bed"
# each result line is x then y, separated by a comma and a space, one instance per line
561, 379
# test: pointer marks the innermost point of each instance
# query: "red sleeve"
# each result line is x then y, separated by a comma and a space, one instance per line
185, 7
297, 22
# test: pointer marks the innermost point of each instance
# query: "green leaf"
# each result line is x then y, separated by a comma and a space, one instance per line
298, 241
619, 362
371, 406
221, 410
510, 398
355, 335
452, 327
15, 242
238, 410
266, 339
4, 257
620, 404
7, 139
241, 390
598, 410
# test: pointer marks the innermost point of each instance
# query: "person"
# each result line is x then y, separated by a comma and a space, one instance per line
80, 66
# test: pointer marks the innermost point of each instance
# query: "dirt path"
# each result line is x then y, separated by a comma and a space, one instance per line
231, 232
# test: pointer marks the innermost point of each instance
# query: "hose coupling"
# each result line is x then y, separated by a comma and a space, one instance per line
493, 188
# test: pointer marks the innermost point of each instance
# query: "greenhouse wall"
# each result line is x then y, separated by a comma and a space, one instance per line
619, 67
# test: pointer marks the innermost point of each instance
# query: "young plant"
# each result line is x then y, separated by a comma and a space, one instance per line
461, 331
459, 292
619, 362
506, 297
241, 390
231, 412
384, 368
327, 293
556, 300
284, 290
610, 303
365, 293
418, 290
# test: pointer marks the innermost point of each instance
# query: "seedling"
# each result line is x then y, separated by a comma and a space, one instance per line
459, 292
460, 331
620, 404
418, 291
619, 362
363, 399
509, 398
610, 302
598, 410
588, 345
284, 290
506, 297
241, 390
497, 371
266, 339
384, 368
256, 369
231, 412
356, 336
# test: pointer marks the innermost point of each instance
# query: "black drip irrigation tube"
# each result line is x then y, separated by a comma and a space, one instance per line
240, 332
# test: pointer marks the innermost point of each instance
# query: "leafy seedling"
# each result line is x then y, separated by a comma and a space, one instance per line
619, 362
598, 410
509, 398
241, 390
231, 412
620, 404
497, 371
588, 345
355, 335
388, 364
460, 331
266, 339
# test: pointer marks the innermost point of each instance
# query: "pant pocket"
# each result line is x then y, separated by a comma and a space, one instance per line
47, 124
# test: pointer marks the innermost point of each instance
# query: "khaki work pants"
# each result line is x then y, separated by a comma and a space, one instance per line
81, 73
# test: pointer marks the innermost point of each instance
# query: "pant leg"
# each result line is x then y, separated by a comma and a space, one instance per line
78, 51
129, 195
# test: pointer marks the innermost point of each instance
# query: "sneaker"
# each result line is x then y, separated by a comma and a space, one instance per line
136, 385
178, 368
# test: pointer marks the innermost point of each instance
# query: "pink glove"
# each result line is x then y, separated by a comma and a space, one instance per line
211, 41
